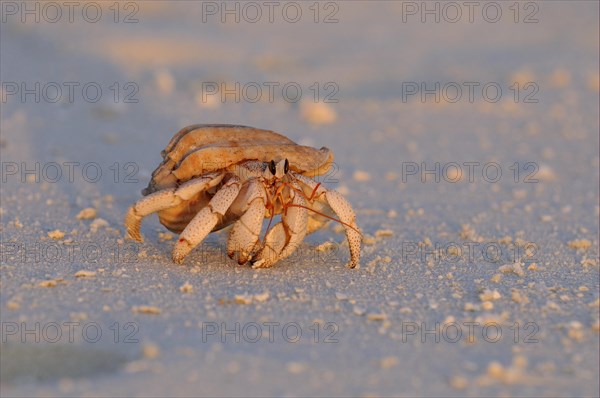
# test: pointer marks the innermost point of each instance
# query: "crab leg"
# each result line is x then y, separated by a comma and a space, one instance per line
285, 237
165, 199
315, 220
342, 209
206, 219
246, 231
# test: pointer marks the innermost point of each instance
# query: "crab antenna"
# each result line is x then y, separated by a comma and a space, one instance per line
325, 215
286, 205
313, 210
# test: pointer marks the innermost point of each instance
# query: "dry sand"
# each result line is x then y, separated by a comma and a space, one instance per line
478, 285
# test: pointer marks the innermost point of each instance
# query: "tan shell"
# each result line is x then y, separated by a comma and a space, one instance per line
203, 148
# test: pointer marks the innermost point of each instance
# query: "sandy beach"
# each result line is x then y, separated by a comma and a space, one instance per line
465, 137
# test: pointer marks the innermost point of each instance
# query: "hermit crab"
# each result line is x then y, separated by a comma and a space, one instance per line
215, 175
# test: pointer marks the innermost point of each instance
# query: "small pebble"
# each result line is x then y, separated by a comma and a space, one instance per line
376, 316
186, 288
384, 233
97, 224
459, 382
358, 310
317, 113
150, 350
146, 309
261, 297
583, 244
84, 274
242, 299
362, 176
56, 234
88, 213
341, 296
389, 362
296, 367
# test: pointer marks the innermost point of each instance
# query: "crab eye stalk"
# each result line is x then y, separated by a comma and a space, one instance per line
272, 167
286, 167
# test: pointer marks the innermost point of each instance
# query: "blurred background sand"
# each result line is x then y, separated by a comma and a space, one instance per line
155, 73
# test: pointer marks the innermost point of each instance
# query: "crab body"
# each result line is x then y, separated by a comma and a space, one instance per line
213, 176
